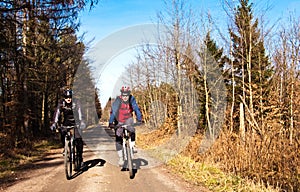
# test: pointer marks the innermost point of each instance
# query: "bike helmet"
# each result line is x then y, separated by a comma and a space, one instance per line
125, 91
68, 93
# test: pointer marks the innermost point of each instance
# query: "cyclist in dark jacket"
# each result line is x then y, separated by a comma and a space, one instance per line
68, 113
122, 113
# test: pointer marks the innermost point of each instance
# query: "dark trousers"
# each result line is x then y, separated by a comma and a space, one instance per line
78, 140
119, 141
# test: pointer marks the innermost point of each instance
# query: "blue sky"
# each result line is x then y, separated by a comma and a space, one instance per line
111, 16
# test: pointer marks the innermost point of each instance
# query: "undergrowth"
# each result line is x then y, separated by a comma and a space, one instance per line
212, 177
12, 159
231, 164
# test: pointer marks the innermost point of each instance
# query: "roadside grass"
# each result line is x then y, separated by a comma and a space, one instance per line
212, 177
11, 160
205, 173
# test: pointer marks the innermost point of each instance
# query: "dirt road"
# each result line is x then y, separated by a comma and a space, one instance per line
100, 172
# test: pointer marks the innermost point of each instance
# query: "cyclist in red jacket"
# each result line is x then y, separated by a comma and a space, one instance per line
122, 112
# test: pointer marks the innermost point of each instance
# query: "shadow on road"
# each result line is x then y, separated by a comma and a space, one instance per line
89, 164
134, 172
92, 163
137, 163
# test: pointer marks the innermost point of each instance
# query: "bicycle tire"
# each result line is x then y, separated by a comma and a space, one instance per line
68, 159
129, 159
76, 157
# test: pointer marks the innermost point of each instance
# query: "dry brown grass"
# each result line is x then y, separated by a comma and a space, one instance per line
271, 159
156, 137
210, 175
261, 163
12, 158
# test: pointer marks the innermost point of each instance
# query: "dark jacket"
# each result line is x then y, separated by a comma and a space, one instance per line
69, 114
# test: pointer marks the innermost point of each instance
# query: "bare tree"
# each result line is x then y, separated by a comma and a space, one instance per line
286, 59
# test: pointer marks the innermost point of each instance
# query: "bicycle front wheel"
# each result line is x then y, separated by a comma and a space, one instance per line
77, 162
129, 159
68, 159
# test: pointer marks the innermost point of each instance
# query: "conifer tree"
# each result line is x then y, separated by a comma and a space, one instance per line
251, 66
35, 40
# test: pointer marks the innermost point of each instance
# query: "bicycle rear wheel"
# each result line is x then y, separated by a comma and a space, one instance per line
129, 159
68, 159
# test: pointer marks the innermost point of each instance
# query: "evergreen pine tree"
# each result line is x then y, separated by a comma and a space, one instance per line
252, 69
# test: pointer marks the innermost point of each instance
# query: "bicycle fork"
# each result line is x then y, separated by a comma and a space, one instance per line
126, 141
124, 149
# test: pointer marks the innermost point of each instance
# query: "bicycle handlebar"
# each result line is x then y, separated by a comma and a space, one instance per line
125, 125
69, 127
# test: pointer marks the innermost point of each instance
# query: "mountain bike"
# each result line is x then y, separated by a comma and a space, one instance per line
71, 155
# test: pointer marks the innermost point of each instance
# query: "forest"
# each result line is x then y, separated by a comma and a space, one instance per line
230, 96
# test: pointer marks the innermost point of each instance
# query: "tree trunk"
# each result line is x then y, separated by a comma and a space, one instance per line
242, 122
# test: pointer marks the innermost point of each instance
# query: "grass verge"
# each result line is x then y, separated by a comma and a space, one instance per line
14, 159
212, 177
